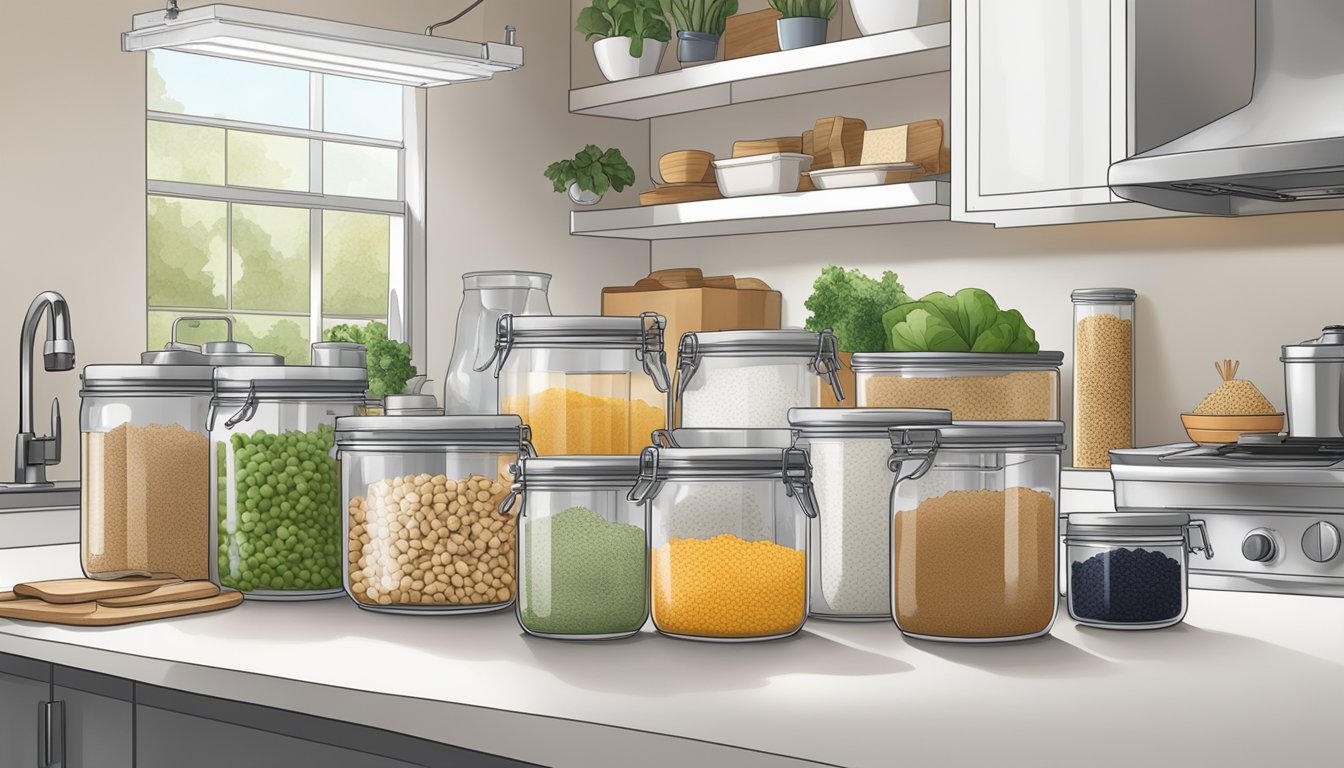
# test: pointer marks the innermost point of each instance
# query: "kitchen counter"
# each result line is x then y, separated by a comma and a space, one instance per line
1248, 679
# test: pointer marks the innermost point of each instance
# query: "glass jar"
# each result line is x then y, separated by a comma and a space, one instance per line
972, 385
974, 530
585, 385
1129, 570
583, 570
728, 545
850, 553
486, 297
750, 379
276, 495
1103, 374
424, 531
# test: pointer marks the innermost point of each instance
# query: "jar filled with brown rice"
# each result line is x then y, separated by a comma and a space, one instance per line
1103, 374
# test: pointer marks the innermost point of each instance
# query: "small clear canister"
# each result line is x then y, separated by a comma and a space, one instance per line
1103, 374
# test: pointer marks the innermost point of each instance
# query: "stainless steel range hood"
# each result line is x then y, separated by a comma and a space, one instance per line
318, 45
1282, 152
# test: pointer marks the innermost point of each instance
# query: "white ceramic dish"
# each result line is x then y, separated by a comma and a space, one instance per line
858, 175
771, 174
878, 16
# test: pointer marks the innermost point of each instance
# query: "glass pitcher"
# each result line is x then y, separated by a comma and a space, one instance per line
487, 296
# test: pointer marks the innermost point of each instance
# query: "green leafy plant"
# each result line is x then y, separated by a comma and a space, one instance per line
389, 361
851, 304
638, 20
969, 321
593, 170
816, 9
707, 16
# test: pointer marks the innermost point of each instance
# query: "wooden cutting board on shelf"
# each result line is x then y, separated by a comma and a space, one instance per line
752, 147
95, 615
663, 194
87, 590
750, 34
837, 142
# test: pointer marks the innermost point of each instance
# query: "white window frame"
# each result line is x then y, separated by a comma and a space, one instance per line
406, 257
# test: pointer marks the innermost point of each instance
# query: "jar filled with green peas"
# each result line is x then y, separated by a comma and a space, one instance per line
276, 492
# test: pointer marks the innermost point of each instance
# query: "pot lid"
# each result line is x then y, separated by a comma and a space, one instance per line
211, 353
505, 434
868, 362
152, 378
577, 472
317, 380
1329, 346
1103, 295
862, 422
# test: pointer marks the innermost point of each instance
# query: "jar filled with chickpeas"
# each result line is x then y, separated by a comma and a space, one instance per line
728, 540
424, 531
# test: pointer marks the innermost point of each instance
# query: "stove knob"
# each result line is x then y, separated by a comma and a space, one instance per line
1321, 542
1258, 546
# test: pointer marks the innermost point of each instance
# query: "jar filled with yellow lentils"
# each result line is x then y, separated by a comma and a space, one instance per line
423, 526
728, 538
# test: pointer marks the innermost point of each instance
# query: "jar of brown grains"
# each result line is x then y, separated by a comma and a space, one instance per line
1103, 374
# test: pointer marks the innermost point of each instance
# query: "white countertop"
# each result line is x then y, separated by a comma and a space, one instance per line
1247, 680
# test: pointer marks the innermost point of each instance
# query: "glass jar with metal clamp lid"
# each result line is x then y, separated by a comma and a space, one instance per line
586, 385
424, 531
728, 540
276, 494
583, 567
750, 379
974, 529
1129, 570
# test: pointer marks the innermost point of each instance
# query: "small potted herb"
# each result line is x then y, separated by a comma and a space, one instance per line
634, 35
700, 24
803, 23
592, 171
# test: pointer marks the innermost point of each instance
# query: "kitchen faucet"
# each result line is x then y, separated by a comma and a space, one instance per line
33, 454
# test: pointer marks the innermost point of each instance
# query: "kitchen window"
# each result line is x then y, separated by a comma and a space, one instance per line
277, 197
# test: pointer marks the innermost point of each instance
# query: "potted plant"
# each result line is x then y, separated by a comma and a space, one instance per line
634, 34
803, 22
592, 171
699, 26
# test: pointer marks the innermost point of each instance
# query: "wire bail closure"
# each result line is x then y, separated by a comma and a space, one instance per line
248, 410
827, 361
908, 444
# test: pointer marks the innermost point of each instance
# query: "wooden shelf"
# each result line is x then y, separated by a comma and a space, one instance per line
873, 59
818, 209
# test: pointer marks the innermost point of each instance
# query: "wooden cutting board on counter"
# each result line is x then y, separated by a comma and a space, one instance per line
96, 615
168, 593
88, 590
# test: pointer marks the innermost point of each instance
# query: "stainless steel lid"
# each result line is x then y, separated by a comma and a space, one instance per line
1093, 527
790, 466
862, 422
503, 434
643, 334
821, 349
211, 353
724, 438
150, 379
1048, 435
290, 380
1103, 295
1328, 347
609, 472
870, 362
411, 405
1079, 520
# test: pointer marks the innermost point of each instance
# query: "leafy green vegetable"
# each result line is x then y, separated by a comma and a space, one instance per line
389, 361
593, 170
851, 304
638, 20
707, 16
969, 321
791, 9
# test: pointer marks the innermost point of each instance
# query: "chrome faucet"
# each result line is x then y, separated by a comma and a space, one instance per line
33, 454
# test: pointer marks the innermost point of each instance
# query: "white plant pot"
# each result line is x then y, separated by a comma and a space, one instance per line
878, 16
616, 63
582, 196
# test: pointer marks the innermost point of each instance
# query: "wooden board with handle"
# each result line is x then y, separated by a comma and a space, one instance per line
837, 142
664, 194
85, 590
32, 609
104, 616
168, 593
751, 34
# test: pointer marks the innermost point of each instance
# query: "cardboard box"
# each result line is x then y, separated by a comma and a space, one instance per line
697, 309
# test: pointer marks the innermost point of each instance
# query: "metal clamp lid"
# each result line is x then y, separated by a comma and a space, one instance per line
1098, 526
908, 444
790, 466
825, 354
1103, 295
584, 332
570, 473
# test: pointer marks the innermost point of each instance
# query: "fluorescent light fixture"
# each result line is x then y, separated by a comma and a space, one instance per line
317, 45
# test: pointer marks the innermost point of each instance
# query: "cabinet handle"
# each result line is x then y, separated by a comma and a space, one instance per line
51, 734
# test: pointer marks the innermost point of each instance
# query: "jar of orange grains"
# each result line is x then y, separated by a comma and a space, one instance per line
585, 385
728, 538
975, 529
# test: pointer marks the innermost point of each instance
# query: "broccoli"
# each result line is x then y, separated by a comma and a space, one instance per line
852, 304
389, 361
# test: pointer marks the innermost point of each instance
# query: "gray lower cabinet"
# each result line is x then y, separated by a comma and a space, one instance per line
99, 716
25, 686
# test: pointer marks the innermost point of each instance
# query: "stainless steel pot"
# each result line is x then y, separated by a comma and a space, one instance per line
1313, 378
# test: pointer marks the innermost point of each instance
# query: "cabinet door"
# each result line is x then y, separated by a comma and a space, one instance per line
99, 719
24, 688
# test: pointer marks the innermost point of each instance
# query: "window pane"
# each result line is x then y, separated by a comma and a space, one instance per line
270, 162
193, 153
190, 332
286, 336
209, 86
361, 107
186, 244
270, 258
354, 263
357, 171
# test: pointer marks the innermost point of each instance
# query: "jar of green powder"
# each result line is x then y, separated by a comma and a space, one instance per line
583, 563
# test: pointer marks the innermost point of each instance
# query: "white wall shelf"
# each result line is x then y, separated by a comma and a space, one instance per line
817, 209
859, 61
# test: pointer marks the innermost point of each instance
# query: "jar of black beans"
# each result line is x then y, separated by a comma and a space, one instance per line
1128, 570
